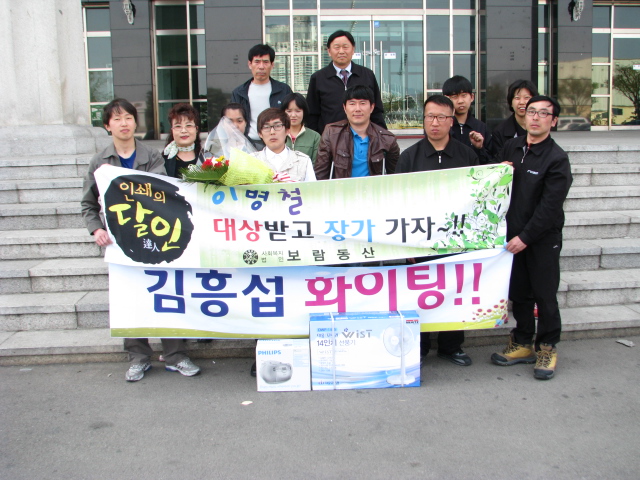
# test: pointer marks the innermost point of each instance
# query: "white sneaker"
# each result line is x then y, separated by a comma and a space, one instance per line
186, 367
136, 371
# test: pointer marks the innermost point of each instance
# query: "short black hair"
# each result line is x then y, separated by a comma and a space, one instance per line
359, 92
234, 106
271, 114
261, 50
439, 100
300, 101
118, 105
517, 86
456, 85
340, 33
544, 98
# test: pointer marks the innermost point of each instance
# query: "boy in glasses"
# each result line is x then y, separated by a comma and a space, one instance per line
438, 151
467, 129
541, 181
273, 127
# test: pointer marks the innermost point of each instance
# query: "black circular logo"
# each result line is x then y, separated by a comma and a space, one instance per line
148, 218
250, 257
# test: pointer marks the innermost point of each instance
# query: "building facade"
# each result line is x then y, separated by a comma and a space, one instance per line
585, 53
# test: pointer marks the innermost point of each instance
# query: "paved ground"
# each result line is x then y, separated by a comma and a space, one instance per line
482, 422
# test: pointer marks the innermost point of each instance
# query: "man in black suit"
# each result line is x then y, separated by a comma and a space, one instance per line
327, 85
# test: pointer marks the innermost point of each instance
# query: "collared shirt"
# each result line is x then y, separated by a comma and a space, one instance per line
338, 70
422, 157
277, 159
360, 166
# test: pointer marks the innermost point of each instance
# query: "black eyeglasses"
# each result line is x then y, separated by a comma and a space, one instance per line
441, 118
541, 113
277, 127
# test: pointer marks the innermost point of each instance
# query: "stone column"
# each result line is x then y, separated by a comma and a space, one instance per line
45, 99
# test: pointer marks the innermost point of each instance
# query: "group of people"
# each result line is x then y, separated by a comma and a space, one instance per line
338, 131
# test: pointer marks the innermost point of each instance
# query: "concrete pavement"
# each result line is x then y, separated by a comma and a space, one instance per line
482, 422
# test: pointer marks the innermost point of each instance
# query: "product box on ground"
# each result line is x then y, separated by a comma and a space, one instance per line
283, 365
364, 350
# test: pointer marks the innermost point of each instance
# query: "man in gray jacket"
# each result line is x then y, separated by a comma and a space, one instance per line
120, 119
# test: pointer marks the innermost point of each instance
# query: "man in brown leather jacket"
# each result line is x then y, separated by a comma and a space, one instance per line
356, 147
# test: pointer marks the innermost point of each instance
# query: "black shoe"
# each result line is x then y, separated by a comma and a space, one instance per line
457, 358
253, 370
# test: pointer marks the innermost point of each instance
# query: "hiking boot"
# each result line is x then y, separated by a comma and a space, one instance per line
458, 358
514, 353
136, 371
546, 362
186, 367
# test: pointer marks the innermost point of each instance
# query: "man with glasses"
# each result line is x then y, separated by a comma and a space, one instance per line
541, 181
261, 91
356, 147
439, 151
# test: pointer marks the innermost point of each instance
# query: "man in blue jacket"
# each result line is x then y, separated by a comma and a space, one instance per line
261, 91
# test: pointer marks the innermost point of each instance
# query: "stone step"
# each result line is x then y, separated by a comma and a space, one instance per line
41, 244
605, 174
35, 347
614, 253
41, 216
609, 154
55, 275
599, 287
586, 199
41, 190
601, 224
37, 166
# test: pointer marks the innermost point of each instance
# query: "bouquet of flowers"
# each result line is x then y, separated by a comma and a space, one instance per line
241, 169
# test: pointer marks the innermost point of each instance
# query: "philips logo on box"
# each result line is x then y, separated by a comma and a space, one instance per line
269, 352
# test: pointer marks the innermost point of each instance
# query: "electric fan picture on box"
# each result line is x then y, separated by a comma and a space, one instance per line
364, 350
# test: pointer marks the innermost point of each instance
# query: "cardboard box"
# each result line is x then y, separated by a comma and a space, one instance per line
283, 365
364, 350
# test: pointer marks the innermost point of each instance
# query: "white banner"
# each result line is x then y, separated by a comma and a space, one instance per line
466, 291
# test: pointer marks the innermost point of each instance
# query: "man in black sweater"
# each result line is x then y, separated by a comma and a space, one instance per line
541, 181
438, 151
327, 85
466, 128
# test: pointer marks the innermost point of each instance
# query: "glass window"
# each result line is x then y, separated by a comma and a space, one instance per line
437, 3
99, 52
305, 33
464, 29
196, 16
277, 33
543, 16
172, 50
300, 4
600, 80
171, 17
303, 67
173, 84
437, 32
199, 82
543, 47
465, 65
98, 20
464, 4
437, 71
198, 54
358, 4
276, 4
100, 86
163, 115
281, 69
626, 17
600, 47
601, 17
600, 111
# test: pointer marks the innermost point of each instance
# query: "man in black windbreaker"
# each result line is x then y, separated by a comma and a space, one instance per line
439, 151
541, 181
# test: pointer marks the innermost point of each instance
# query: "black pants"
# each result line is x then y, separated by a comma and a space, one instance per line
448, 342
535, 277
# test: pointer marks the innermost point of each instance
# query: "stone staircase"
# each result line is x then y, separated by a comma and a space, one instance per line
54, 283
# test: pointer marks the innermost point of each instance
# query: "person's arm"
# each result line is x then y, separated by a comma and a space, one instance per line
156, 162
310, 175
324, 159
315, 146
313, 102
392, 156
404, 163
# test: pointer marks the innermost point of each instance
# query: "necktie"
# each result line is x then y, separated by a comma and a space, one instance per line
345, 76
